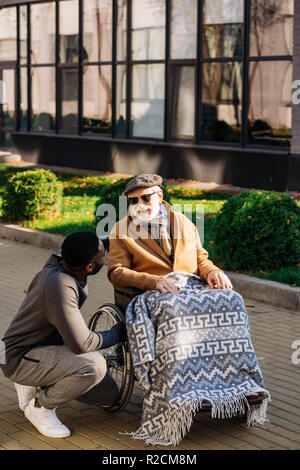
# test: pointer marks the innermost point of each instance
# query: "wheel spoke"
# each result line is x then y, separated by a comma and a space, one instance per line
118, 357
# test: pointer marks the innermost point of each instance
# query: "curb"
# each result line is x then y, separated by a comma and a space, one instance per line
271, 292
9, 157
263, 290
30, 236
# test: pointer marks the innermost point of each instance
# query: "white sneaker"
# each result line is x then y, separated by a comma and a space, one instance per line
25, 394
46, 421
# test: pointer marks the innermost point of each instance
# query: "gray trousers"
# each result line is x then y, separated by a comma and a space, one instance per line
62, 376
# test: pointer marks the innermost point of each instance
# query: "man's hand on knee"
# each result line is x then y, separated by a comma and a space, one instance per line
166, 285
113, 336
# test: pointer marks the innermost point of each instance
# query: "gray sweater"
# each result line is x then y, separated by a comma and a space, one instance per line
49, 315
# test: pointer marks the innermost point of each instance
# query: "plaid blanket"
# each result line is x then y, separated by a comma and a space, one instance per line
191, 347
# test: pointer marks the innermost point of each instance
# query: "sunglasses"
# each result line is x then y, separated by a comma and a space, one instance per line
146, 198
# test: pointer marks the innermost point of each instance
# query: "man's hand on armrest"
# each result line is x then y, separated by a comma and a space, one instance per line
218, 279
166, 285
113, 336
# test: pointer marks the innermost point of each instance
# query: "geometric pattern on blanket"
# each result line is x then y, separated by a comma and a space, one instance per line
189, 347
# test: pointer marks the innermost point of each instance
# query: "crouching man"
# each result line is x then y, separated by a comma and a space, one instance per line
51, 355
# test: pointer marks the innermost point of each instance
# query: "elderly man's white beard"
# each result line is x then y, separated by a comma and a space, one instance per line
140, 211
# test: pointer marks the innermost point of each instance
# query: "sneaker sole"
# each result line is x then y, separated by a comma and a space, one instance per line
45, 433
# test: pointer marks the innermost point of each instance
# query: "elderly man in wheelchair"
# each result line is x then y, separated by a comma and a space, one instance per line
188, 332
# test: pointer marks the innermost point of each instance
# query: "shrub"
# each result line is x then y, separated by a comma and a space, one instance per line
81, 185
31, 194
258, 230
110, 192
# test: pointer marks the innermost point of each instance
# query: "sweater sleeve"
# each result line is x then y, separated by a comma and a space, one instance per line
119, 270
61, 300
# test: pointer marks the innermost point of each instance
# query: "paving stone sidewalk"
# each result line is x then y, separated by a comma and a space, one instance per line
273, 331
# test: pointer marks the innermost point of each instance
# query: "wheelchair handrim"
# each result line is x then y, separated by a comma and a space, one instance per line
127, 374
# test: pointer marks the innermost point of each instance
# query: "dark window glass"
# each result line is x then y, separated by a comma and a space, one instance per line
182, 102
271, 27
23, 97
97, 30
68, 30
43, 98
148, 29
42, 21
183, 29
222, 28
121, 101
121, 30
69, 101
8, 33
7, 76
23, 34
222, 101
147, 107
97, 99
270, 114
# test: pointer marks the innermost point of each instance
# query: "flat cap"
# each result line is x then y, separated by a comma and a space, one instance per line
146, 180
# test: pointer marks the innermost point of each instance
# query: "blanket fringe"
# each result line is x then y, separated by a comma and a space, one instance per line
181, 418
257, 413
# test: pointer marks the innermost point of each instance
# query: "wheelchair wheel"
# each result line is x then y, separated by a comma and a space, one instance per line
118, 358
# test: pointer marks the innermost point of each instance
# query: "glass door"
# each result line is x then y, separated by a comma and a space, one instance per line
7, 104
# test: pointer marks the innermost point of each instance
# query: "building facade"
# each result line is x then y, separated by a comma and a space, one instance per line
197, 89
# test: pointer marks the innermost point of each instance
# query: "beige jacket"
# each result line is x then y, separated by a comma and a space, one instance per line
136, 260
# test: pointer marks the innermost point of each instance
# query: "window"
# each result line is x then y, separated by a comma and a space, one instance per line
121, 101
121, 39
147, 105
183, 29
68, 105
8, 33
270, 77
182, 99
40, 69
23, 98
272, 28
42, 33
23, 34
148, 79
190, 71
97, 99
43, 98
222, 101
8, 107
97, 30
97, 67
68, 31
270, 113
148, 29
223, 28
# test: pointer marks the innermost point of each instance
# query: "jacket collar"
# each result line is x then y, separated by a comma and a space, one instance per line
145, 236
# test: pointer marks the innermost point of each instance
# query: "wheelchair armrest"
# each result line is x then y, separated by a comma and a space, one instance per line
123, 296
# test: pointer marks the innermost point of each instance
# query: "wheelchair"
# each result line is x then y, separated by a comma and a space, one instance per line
118, 358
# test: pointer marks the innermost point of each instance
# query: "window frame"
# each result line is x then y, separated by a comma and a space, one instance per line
128, 62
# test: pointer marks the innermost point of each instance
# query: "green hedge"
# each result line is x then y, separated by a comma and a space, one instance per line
31, 194
258, 230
